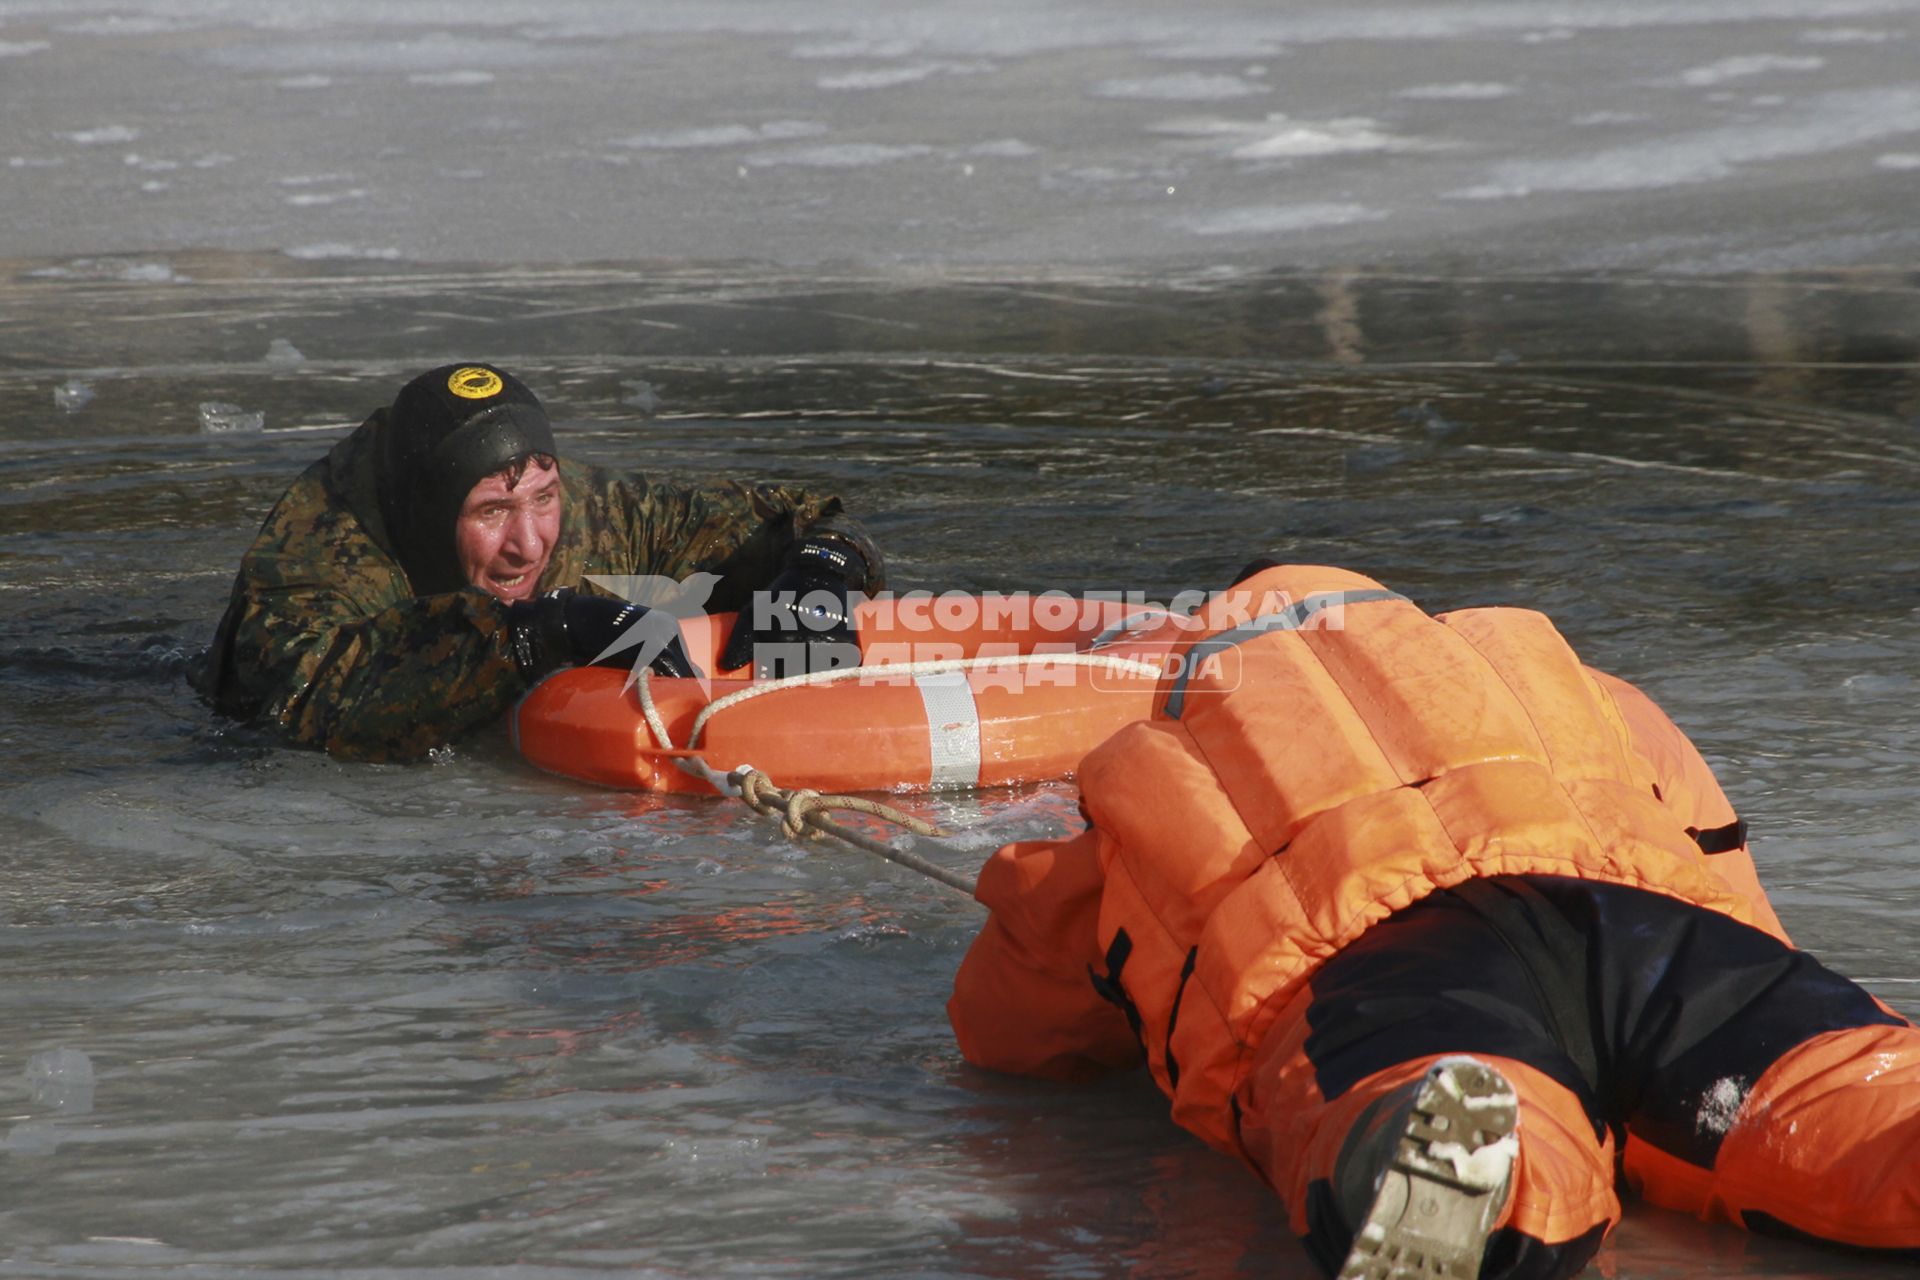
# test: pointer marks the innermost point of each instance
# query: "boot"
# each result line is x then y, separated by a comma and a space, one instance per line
1426, 1181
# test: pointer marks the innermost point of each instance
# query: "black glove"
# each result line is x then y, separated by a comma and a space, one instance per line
566, 629
802, 620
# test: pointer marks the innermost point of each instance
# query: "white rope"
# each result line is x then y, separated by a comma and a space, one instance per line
651, 712
801, 810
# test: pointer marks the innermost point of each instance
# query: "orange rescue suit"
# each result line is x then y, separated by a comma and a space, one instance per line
1388, 754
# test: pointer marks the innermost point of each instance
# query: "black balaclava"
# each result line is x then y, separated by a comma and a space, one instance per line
449, 429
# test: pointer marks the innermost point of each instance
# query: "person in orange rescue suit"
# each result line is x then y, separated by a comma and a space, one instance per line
414, 582
1436, 929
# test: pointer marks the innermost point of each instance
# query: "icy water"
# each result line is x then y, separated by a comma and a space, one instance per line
266, 1011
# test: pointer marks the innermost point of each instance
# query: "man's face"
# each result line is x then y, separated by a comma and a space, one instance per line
505, 535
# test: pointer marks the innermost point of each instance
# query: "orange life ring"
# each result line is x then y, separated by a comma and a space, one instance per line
1024, 712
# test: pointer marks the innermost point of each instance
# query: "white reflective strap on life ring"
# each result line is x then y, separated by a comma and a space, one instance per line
953, 729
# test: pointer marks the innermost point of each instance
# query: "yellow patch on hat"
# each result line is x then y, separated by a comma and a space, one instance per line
474, 383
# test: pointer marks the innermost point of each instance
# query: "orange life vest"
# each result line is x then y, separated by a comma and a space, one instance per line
1328, 755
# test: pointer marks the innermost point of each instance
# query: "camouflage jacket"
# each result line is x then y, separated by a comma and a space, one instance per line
324, 636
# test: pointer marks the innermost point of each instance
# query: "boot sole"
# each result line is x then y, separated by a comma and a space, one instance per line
1447, 1180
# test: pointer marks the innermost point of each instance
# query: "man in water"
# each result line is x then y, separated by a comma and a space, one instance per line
413, 583
1436, 929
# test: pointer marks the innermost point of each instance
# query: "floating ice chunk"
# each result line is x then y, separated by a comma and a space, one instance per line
1897, 160
334, 249
315, 199
34, 1138
135, 272
1594, 118
21, 48
150, 273
61, 1080
1187, 86
1279, 219
105, 133
726, 135
282, 352
851, 155
1848, 35
450, 79
1465, 91
1873, 686
1749, 65
1279, 138
35, 162
73, 396
640, 395
868, 934
887, 77
306, 82
1333, 137
218, 418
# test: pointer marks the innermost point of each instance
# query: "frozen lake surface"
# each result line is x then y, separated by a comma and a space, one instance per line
1703, 136
1603, 308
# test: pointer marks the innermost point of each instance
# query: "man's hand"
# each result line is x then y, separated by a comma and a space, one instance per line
566, 629
802, 620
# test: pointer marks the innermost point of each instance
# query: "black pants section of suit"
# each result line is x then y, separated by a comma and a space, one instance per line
1652, 1011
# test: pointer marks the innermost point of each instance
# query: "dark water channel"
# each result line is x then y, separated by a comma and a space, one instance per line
265, 1011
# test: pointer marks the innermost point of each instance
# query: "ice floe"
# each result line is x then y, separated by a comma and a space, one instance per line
724, 135
104, 134
1186, 86
1742, 67
1278, 219
132, 271
219, 418
333, 249
450, 79
1465, 91
320, 199
1849, 35
890, 77
1279, 137
846, 155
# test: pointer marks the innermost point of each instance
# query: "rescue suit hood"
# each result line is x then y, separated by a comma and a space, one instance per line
446, 431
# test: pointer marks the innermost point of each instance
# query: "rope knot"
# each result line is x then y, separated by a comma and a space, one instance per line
802, 803
803, 817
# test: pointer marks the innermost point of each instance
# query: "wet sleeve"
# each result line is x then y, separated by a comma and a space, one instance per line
1690, 791
1024, 1000
742, 533
390, 685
